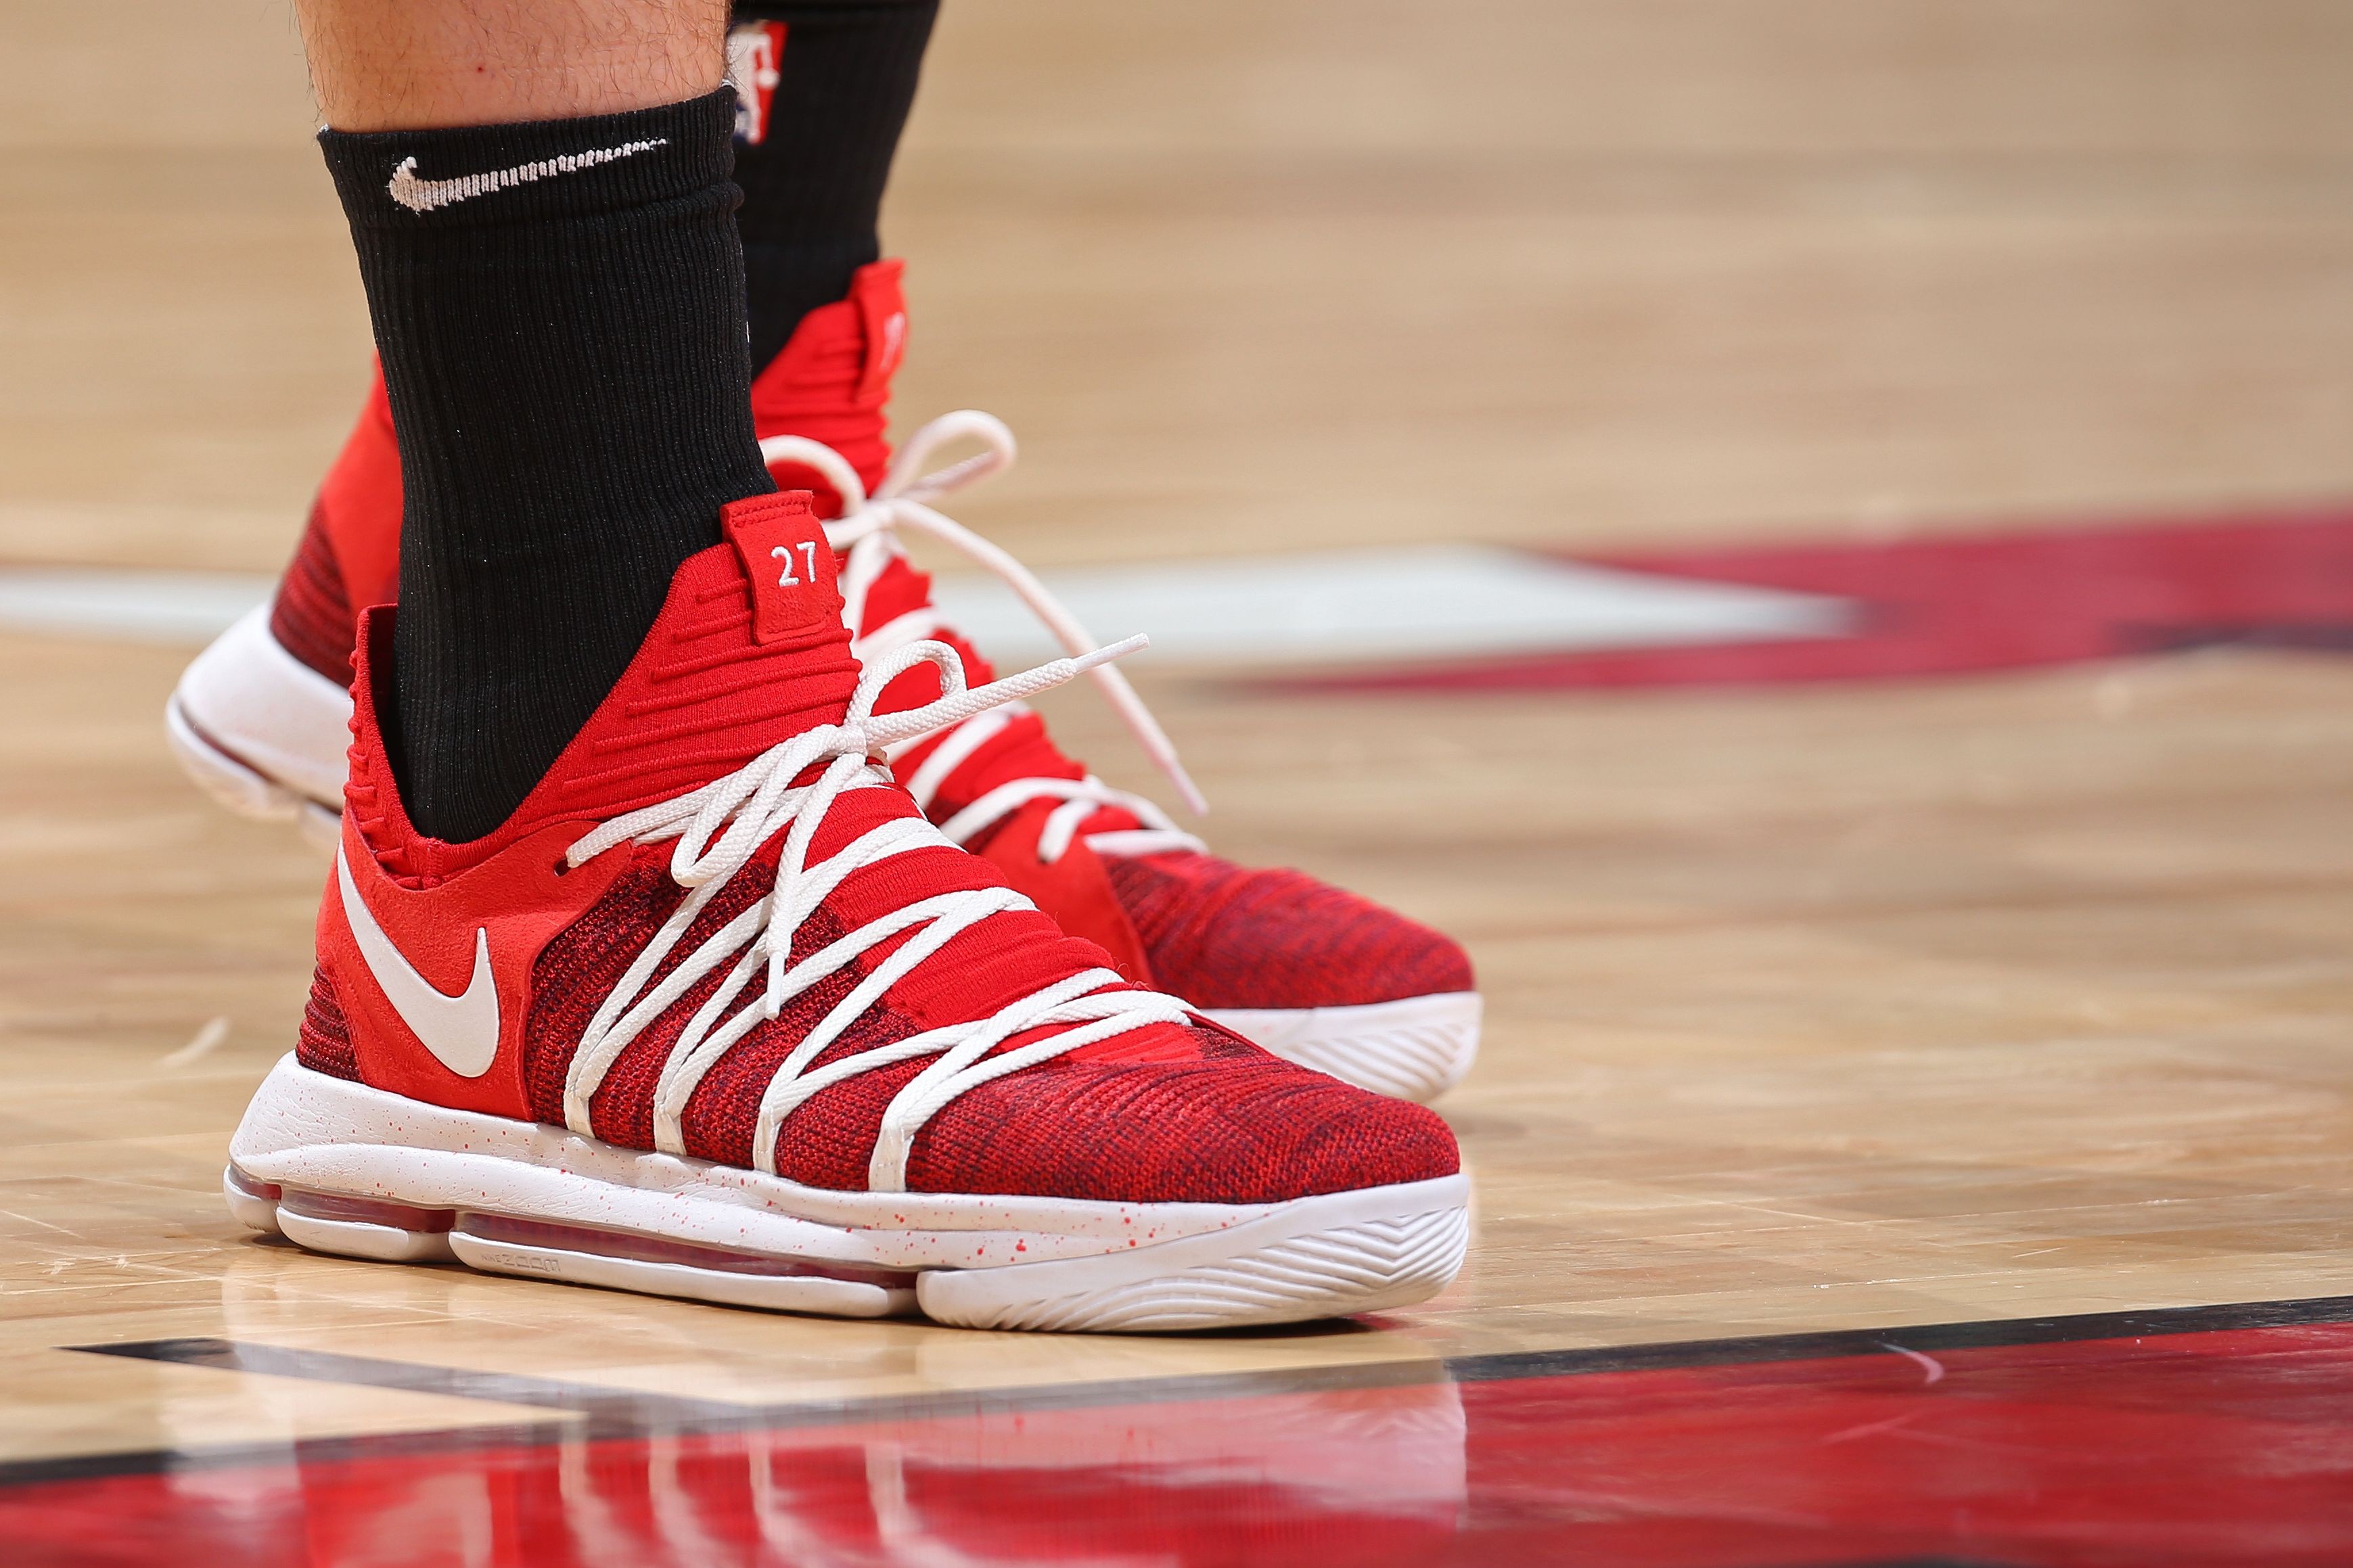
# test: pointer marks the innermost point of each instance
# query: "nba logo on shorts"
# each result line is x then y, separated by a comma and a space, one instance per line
754, 51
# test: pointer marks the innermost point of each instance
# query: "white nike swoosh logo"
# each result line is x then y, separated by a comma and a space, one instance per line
422, 195
462, 1032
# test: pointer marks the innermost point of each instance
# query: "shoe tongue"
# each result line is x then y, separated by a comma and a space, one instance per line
748, 651
832, 382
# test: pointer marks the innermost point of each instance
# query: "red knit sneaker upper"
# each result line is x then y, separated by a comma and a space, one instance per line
717, 929
1112, 867
1212, 927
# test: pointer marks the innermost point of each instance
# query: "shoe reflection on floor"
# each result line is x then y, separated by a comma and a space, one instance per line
1360, 1476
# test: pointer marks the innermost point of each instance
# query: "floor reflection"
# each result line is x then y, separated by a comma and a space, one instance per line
2227, 1445
1366, 1475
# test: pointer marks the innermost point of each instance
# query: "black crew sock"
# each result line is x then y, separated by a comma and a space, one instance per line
812, 177
559, 308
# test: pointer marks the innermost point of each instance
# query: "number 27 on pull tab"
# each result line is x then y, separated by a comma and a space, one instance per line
784, 553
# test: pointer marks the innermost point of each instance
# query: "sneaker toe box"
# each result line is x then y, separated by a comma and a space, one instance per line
1238, 1127
1224, 936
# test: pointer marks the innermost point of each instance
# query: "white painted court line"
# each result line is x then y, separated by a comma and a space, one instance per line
189, 608
1330, 607
1414, 602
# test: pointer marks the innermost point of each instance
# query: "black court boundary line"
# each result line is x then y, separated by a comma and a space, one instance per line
590, 1412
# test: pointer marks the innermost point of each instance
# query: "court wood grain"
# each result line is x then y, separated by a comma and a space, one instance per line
1811, 1008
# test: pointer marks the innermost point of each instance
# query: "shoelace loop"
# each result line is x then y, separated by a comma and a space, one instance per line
865, 533
721, 827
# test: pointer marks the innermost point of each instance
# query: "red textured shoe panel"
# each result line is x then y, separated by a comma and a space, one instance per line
1221, 935
701, 698
1224, 1123
311, 617
324, 1041
1244, 1128
360, 501
832, 382
1076, 888
577, 970
349, 555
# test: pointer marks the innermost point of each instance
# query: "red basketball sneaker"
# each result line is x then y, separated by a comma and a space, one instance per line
1310, 972
719, 1014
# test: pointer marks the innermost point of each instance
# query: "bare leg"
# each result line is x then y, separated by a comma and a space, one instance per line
385, 65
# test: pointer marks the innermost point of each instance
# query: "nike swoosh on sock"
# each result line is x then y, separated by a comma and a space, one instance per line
422, 195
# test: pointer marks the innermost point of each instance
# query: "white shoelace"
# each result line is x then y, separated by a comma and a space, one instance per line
721, 827
866, 533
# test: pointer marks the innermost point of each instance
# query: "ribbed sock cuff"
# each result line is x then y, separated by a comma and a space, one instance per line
471, 176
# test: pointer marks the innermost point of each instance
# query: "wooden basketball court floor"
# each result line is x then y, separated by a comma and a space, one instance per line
1915, 1122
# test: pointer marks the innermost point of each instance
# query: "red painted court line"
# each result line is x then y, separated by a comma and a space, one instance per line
1959, 605
2225, 1446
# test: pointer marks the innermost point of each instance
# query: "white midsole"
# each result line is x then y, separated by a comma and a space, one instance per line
1415, 1047
309, 1130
